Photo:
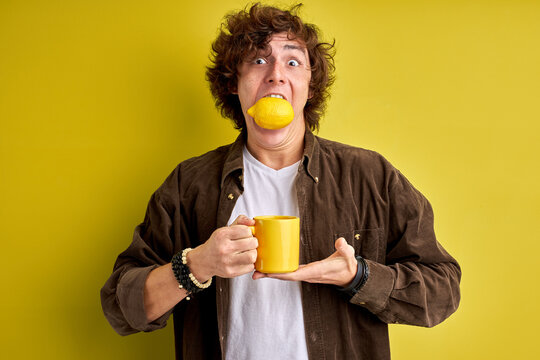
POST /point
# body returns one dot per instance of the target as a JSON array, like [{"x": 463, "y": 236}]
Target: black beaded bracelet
[
  {"x": 183, "y": 275},
  {"x": 362, "y": 274}
]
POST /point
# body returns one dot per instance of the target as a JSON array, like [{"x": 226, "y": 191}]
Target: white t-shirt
[{"x": 265, "y": 315}]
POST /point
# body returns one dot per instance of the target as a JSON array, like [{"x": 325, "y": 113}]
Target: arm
[
  {"x": 161, "y": 292},
  {"x": 419, "y": 282},
  {"x": 142, "y": 291},
  {"x": 230, "y": 251}
]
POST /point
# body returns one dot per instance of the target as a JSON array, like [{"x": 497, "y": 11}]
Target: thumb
[
  {"x": 343, "y": 248},
  {"x": 243, "y": 220}
]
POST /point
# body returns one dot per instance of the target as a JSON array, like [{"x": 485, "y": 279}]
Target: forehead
[
  {"x": 284, "y": 38},
  {"x": 281, "y": 41}
]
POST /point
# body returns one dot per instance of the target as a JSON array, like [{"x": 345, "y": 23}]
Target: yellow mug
[{"x": 279, "y": 243}]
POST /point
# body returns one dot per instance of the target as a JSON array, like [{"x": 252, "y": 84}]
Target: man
[{"x": 367, "y": 238}]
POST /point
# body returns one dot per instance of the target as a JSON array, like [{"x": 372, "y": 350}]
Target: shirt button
[
  {"x": 316, "y": 179},
  {"x": 230, "y": 196},
  {"x": 357, "y": 236}
]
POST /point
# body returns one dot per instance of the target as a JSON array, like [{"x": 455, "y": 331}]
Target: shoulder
[
  {"x": 359, "y": 166},
  {"x": 212, "y": 160},
  {"x": 203, "y": 169},
  {"x": 357, "y": 158}
]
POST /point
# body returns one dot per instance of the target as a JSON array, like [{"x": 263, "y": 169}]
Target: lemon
[{"x": 272, "y": 113}]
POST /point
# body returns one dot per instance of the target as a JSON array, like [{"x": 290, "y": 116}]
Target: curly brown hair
[{"x": 245, "y": 32}]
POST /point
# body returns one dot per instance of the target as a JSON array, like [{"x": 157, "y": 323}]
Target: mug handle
[{"x": 252, "y": 228}]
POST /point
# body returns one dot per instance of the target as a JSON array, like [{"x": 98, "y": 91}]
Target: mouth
[{"x": 277, "y": 96}]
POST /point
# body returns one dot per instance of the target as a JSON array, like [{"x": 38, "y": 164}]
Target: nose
[{"x": 276, "y": 74}]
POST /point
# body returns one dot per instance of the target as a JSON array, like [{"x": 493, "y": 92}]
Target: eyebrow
[
  {"x": 286, "y": 47},
  {"x": 293, "y": 47}
]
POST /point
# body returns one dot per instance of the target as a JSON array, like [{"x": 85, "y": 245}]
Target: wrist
[
  {"x": 359, "y": 279},
  {"x": 196, "y": 264},
  {"x": 184, "y": 276},
  {"x": 352, "y": 275}
]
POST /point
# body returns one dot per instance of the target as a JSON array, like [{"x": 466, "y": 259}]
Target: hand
[
  {"x": 337, "y": 269},
  {"x": 229, "y": 252}
]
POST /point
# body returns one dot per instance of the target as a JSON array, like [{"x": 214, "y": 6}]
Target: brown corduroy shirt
[{"x": 342, "y": 191}]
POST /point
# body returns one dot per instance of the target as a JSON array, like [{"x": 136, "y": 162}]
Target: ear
[{"x": 310, "y": 90}]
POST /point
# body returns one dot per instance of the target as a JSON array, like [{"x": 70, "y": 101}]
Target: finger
[
  {"x": 339, "y": 245},
  {"x": 243, "y": 220},
  {"x": 344, "y": 249},
  {"x": 238, "y": 219},
  {"x": 258, "y": 275},
  {"x": 236, "y": 232},
  {"x": 307, "y": 273},
  {"x": 245, "y": 258},
  {"x": 246, "y": 244},
  {"x": 289, "y": 276},
  {"x": 242, "y": 270}
]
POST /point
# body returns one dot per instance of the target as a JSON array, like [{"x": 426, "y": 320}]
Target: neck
[{"x": 286, "y": 153}]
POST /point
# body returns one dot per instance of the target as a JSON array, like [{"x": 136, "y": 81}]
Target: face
[{"x": 284, "y": 72}]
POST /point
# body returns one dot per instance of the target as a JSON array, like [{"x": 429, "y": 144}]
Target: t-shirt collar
[{"x": 234, "y": 158}]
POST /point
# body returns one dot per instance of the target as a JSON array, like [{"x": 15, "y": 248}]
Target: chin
[{"x": 272, "y": 138}]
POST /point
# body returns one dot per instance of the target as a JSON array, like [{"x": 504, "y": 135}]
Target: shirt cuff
[
  {"x": 375, "y": 293},
  {"x": 130, "y": 294}
]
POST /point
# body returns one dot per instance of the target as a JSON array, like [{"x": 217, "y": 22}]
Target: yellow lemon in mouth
[{"x": 271, "y": 113}]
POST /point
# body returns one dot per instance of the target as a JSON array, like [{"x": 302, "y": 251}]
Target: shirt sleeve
[
  {"x": 419, "y": 283},
  {"x": 122, "y": 296}
]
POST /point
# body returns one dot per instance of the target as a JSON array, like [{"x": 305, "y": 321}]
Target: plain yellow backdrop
[{"x": 99, "y": 100}]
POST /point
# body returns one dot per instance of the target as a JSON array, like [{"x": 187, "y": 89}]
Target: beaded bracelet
[{"x": 186, "y": 280}]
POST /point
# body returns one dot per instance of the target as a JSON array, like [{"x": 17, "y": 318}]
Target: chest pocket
[{"x": 366, "y": 243}]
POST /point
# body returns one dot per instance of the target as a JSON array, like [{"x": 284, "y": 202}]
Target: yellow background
[{"x": 99, "y": 100}]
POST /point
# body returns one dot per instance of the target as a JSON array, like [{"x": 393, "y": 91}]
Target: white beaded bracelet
[{"x": 191, "y": 276}]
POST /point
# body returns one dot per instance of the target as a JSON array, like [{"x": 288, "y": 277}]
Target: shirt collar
[
  {"x": 310, "y": 159},
  {"x": 311, "y": 155},
  {"x": 234, "y": 160}
]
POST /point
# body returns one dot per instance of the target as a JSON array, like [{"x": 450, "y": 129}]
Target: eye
[
  {"x": 293, "y": 63},
  {"x": 260, "y": 61}
]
